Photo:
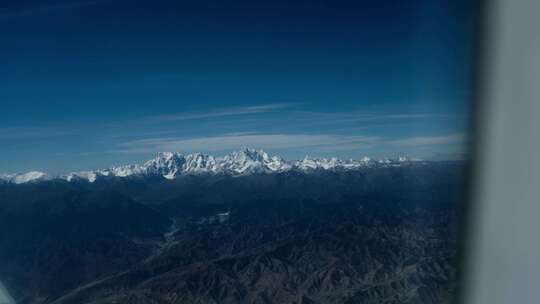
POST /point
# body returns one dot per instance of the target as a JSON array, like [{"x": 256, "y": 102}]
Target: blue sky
[{"x": 89, "y": 84}]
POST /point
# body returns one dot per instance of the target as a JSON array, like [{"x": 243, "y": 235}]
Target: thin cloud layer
[
  {"x": 430, "y": 141},
  {"x": 316, "y": 143},
  {"x": 231, "y": 142},
  {"x": 233, "y": 111}
]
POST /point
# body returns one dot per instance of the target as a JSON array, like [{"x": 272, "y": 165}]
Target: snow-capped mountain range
[{"x": 171, "y": 165}]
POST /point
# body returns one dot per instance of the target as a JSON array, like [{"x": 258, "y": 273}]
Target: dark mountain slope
[
  {"x": 66, "y": 237},
  {"x": 377, "y": 235}
]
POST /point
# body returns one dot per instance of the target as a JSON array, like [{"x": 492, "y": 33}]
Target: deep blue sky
[{"x": 88, "y": 84}]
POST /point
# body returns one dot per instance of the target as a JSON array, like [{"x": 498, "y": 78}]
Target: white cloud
[
  {"x": 231, "y": 142},
  {"x": 458, "y": 138},
  {"x": 315, "y": 142},
  {"x": 234, "y": 111}
]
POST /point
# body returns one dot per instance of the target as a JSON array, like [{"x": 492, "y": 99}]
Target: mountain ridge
[
  {"x": 171, "y": 165},
  {"x": 383, "y": 234}
]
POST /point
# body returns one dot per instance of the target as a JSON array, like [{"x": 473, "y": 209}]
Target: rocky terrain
[{"x": 371, "y": 234}]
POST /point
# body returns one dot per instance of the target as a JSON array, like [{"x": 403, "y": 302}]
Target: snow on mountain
[
  {"x": 200, "y": 163},
  {"x": 166, "y": 164},
  {"x": 5, "y": 177},
  {"x": 171, "y": 165},
  {"x": 5, "y": 297},
  {"x": 84, "y": 175},
  {"x": 123, "y": 171},
  {"x": 248, "y": 161},
  {"x": 308, "y": 163},
  {"x": 32, "y": 176}
]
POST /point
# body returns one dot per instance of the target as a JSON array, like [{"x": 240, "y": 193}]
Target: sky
[{"x": 90, "y": 84}]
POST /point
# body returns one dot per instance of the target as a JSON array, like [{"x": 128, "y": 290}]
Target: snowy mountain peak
[
  {"x": 167, "y": 156},
  {"x": 403, "y": 159},
  {"x": 167, "y": 164},
  {"x": 84, "y": 175},
  {"x": 309, "y": 163},
  {"x": 32, "y": 176},
  {"x": 250, "y": 154},
  {"x": 171, "y": 165},
  {"x": 200, "y": 163},
  {"x": 249, "y": 161}
]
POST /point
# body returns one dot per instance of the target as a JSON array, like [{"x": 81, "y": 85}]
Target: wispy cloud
[
  {"x": 231, "y": 142},
  {"x": 234, "y": 111},
  {"x": 365, "y": 118},
  {"x": 279, "y": 118},
  {"x": 458, "y": 138},
  {"x": 216, "y": 116}
]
